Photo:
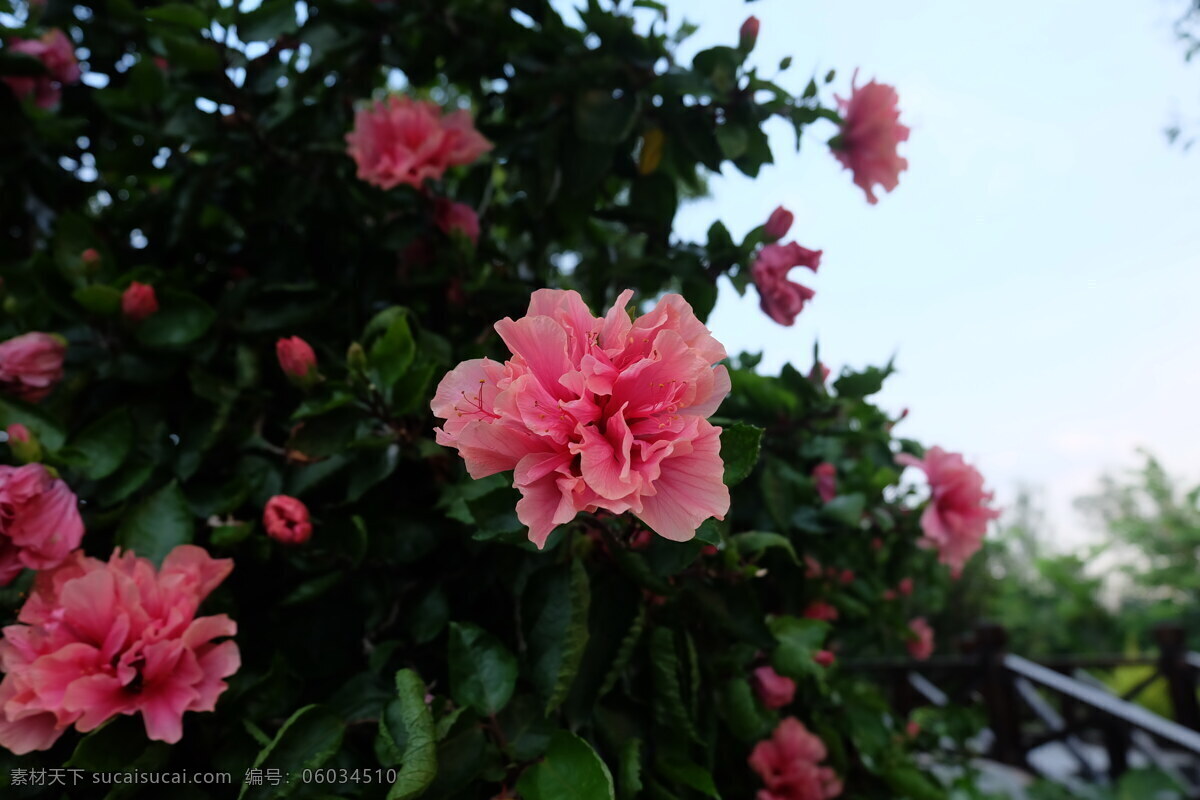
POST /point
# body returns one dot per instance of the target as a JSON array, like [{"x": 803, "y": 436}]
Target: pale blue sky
[{"x": 1037, "y": 270}]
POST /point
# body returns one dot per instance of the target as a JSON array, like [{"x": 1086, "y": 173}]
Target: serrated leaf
[
  {"x": 307, "y": 740},
  {"x": 571, "y": 769},
  {"x": 418, "y": 761},
  {"x": 740, "y": 444},
  {"x": 556, "y": 605},
  {"x": 483, "y": 672}
]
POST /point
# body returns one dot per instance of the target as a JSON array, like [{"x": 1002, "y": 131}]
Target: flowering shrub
[{"x": 360, "y": 334}]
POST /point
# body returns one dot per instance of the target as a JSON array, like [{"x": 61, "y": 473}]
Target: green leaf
[
  {"x": 102, "y": 447},
  {"x": 745, "y": 717},
  {"x": 571, "y": 769},
  {"x": 753, "y": 543},
  {"x": 907, "y": 781},
  {"x": 418, "y": 761},
  {"x": 604, "y": 119},
  {"x": 846, "y": 508},
  {"x": 740, "y": 445},
  {"x": 181, "y": 319},
  {"x": 48, "y": 431},
  {"x": 180, "y": 14},
  {"x": 157, "y": 524},
  {"x": 270, "y": 20},
  {"x": 483, "y": 672},
  {"x": 669, "y": 708},
  {"x": 555, "y": 606},
  {"x": 857, "y": 385},
  {"x": 687, "y": 773},
  {"x": 799, "y": 640},
  {"x": 629, "y": 761},
  {"x": 307, "y": 740},
  {"x": 625, "y": 651},
  {"x": 733, "y": 140},
  {"x": 392, "y": 353},
  {"x": 99, "y": 299}
]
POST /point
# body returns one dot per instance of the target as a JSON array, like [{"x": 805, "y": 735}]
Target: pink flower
[
  {"x": 847, "y": 577},
  {"x": 402, "y": 140},
  {"x": 824, "y": 657},
  {"x": 138, "y": 302},
  {"x": 57, "y": 54},
  {"x": 912, "y": 729},
  {"x": 825, "y": 476},
  {"x": 90, "y": 257},
  {"x": 286, "y": 520},
  {"x": 905, "y": 587},
  {"x": 778, "y": 223},
  {"x": 812, "y": 568},
  {"x": 453, "y": 217},
  {"x": 31, "y": 365},
  {"x": 296, "y": 357},
  {"x": 780, "y": 298},
  {"x": 889, "y": 595},
  {"x": 773, "y": 690},
  {"x": 96, "y": 639},
  {"x": 819, "y": 609},
  {"x": 920, "y": 647},
  {"x": 17, "y": 433},
  {"x": 596, "y": 413},
  {"x": 748, "y": 35},
  {"x": 24, "y": 445},
  {"x": 789, "y": 765},
  {"x": 956, "y": 519},
  {"x": 39, "y": 520},
  {"x": 871, "y": 133}
]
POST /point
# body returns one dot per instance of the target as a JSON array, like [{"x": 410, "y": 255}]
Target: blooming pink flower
[
  {"x": 905, "y": 587},
  {"x": 780, "y": 298},
  {"x": 57, "y": 54},
  {"x": 451, "y": 217},
  {"x": 96, "y": 639},
  {"x": 31, "y": 365},
  {"x": 778, "y": 224},
  {"x": 296, "y": 357},
  {"x": 138, "y": 302},
  {"x": 825, "y": 476},
  {"x": 871, "y": 133},
  {"x": 39, "y": 520},
  {"x": 596, "y": 413},
  {"x": 789, "y": 765},
  {"x": 956, "y": 519},
  {"x": 286, "y": 520},
  {"x": 773, "y": 690},
  {"x": 824, "y": 657},
  {"x": 819, "y": 609},
  {"x": 920, "y": 647},
  {"x": 748, "y": 33},
  {"x": 402, "y": 140}
]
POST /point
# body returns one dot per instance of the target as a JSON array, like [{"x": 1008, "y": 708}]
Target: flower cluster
[
  {"x": 31, "y": 365},
  {"x": 39, "y": 517},
  {"x": 596, "y": 413},
  {"x": 956, "y": 519},
  {"x": 789, "y": 765},
  {"x": 57, "y": 55},
  {"x": 97, "y": 639}
]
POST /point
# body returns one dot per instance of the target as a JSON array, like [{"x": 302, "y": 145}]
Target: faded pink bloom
[
  {"x": 57, "y": 54},
  {"x": 780, "y": 298},
  {"x": 905, "y": 587},
  {"x": 39, "y": 520},
  {"x": 748, "y": 33},
  {"x": 825, "y": 476},
  {"x": 773, "y": 690},
  {"x": 31, "y": 365},
  {"x": 778, "y": 224},
  {"x": 96, "y": 639},
  {"x": 920, "y": 647},
  {"x": 401, "y": 140},
  {"x": 296, "y": 357},
  {"x": 956, "y": 519},
  {"x": 824, "y": 657},
  {"x": 871, "y": 133},
  {"x": 819, "y": 609},
  {"x": 789, "y": 765},
  {"x": 138, "y": 302},
  {"x": 596, "y": 413},
  {"x": 453, "y": 217},
  {"x": 286, "y": 520}
]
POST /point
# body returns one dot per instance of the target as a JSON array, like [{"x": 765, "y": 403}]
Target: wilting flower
[
  {"x": 871, "y": 133},
  {"x": 920, "y": 646},
  {"x": 453, "y": 217},
  {"x": 31, "y": 365},
  {"x": 780, "y": 298},
  {"x": 773, "y": 690},
  {"x": 789, "y": 765},
  {"x": 286, "y": 520},
  {"x": 138, "y": 302},
  {"x": 96, "y": 639},
  {"x": 401, "y": 140},
  {"x": 825, "y": 476},
  {"x": 296, "y": 358},
  {"x": 778, "y": 224},
  {"x": 956, "y": 519},
  {"x": 57, "y": 55},
  {"x": 596, "y": 413},
  {"x": 39, "y": 520}
]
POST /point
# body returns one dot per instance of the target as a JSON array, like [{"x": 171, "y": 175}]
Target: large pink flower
[
  {"x": 596, "y": 413},
  {"x": 871, "y": 134},
  {"x": 789, "y": 765},
  {"x": 780, "y": 298},
  {"x": 39, "y": 520},
  {"x": 402, "y": 140},
  {"x": 96, "y": 639},
  {"x": 57, "y": 54},
  {"x": 956, "y": 519},
  {"x": 31, "y": 365}
]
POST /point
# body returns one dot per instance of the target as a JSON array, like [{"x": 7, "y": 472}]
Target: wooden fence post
[
  {"x": 999, "y": 695},
  {"x": 1180, "y": 676}
]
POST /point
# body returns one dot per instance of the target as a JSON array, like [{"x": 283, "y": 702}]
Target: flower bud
[
  {"x": 24, "y": 445},
  {"x": 138, "y": 302},
  {"x": 748, "y": 34},
  {"x": 297, "y": 360},
  {"x": 778, "y": 224},
  {"x": 286, "y": 520}
]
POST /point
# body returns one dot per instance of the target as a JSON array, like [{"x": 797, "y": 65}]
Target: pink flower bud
[
  {"x": 18, "y": 433},
  {"x": 454, "y": 218},
  {"x": 296, "y": 358},
  {"x": 821, "y": 610},
  {"x": 825, "y": 477},
  {"x": 778, "y": 223},
  {"x": 912, "y": 729},
  {"x": 90, "y": 257},
  {"x": 847, "y": 576},
  {"x": 824, "y": 658},
  {"x": 905, "y": 587},
  {"x": 773, "y": 690},
  {"x": 920, "y": 643},
  {"x": 748, "y": 34},
  {"x": 286, "y": 520},
  {"x": 889, "y": 595},
  {"x": 138, "y": 302},
  {"x": 812, "y": 568}
]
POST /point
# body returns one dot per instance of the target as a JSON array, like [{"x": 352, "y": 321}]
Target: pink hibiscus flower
[
  {"x": 956, "y": 519},
  {"x": 781, "y": 299},
  {"x": 789, "y": 764},
  {"x": 871, "y": 134},
  {"x": 39, "y": 520}
]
